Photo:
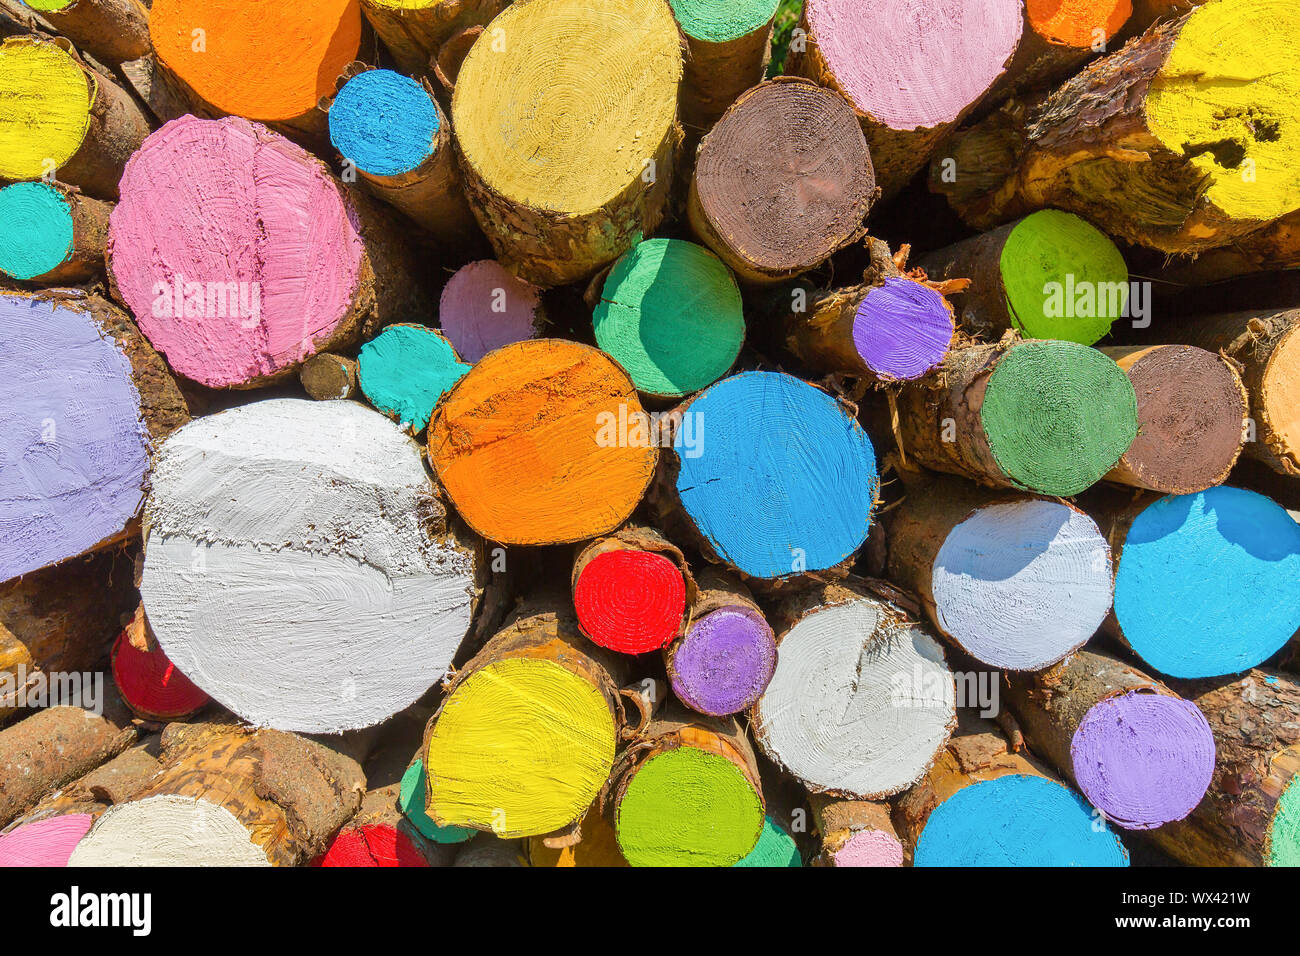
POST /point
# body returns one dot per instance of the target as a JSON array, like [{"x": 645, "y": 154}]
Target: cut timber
[
  {"x": 1016, "y": 582},
  {"x": 1251, "y": 814},
  {"x": 861, "y": 700},
  {"x": 414, "y": 30},
  {"x": 783, "y": 181},
  {"x": 59, "y": 117},
  {"x": 229, "y": 796},
  {"x": 259, "y": 59},
  {"x": 1147, "y": 12},
  {"x": 484, "y": 307},
  {"x": 1276, "y": 247},
  {"x": 1049, "y": 276},
  {"x": 543, "y": 442},
  {"x": 597, "y": 848},
  {"x": 982, "y": 805},
  {"x": 630, "y": 590},
  {"x": 728, "y": 43},
  {"x": 525, "y": 738},
  {"x": 112, "y": 31},
  {"x": 392, "y": 130},
  {"x": 379, "y": 836},
  {"x": 332, "y": 591},
  {"x": 405, "y": 371},
  {"x": 856, "y": 833},
  {"x": 241, "y": 256},
  {"x": 51, "y": 234},
  {"x": 1059, "y": 37},
  {"x": 326, "y": 376},
  {"x": 55, "y": 746},
  {"x": 911, "y": 72},
  {"x": 670, "y": 313},
  {"x": 411, "y": 800},
  {"x": 1051, "y": 417},
  {"x": 725, "y": 657},
  {"x": 1142, "y": 755},
  {"x": 1190, "y": 573},
  {"x": 890, "y": 327},
  {"x": 775, "y": 498},
  {"x": 1179, "y": 141},
  {"x": 1266, "y": 348},
  {"x": 51, "y": 831},
  {"x": 150, "y": 684},
  {"x": 60, "y": 621},
  {"x": 776, "y": 848},
  {"x": 565, "y": 115},
  {"x": 687, "y": 793},
  {"x": 451, "y": 57},
  {"x": 85, "y": 398},
  {"x": 1191, "y": 406}
]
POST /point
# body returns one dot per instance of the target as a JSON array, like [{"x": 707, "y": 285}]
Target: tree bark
[
  {"x": 1091, "y": 149},
  {"x": 890, "y": 327},
  {"x": 414, "y": 33},
  {"x": 1068, "y": 714},
  {"x": 259, "y": 797},
  {"x": 53, "y": 747},
  {"x": 855, "y": 833},
  {"x": 554, "y": 216},
  {"x": 112, "y": 31},
  {"x": 61, "y": 620},
  {"x": 716, "y": 73},
  {"x": 1256, "y": 725}
]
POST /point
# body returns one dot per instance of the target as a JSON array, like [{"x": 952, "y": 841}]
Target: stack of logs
[{"x": 462, "y": 432}]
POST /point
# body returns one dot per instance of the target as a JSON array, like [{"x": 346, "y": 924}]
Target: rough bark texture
[
  {"x": 955, "y": 391},
  {"x": 430, "y": 195},
  {"x": 1087, "y": 149},
  {"x": 115, "y": 781},
  {"x": 714, "y": 74},
  {"x": 1256, "y": 725},
  {"x": 983, "y": 306},
  {"x": 112, "y": 31},
  {"x": 452, "y": 53},
  {"x": 1191, "y": 405},
  {"x": 379, "y": 810},
  {"x": 53, "y": 747},
  {"x": 62, "y": 619},
  {"x": 1261, "y": 345},
  {"x": 292, "y": 794},
  {"x": 839, "y": 821},
  {"x": 980, "y": 754},
  {"x": 328, "y": 376},
  {"x": 550, "y": 248},
  {"x": 1050, "y": 704},
  {"x": 1275, "y": 247},
  {"x": 85, "y": 260},
  {"x": 414, "y": 36},
  {"x": 116, "y": 128}
]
